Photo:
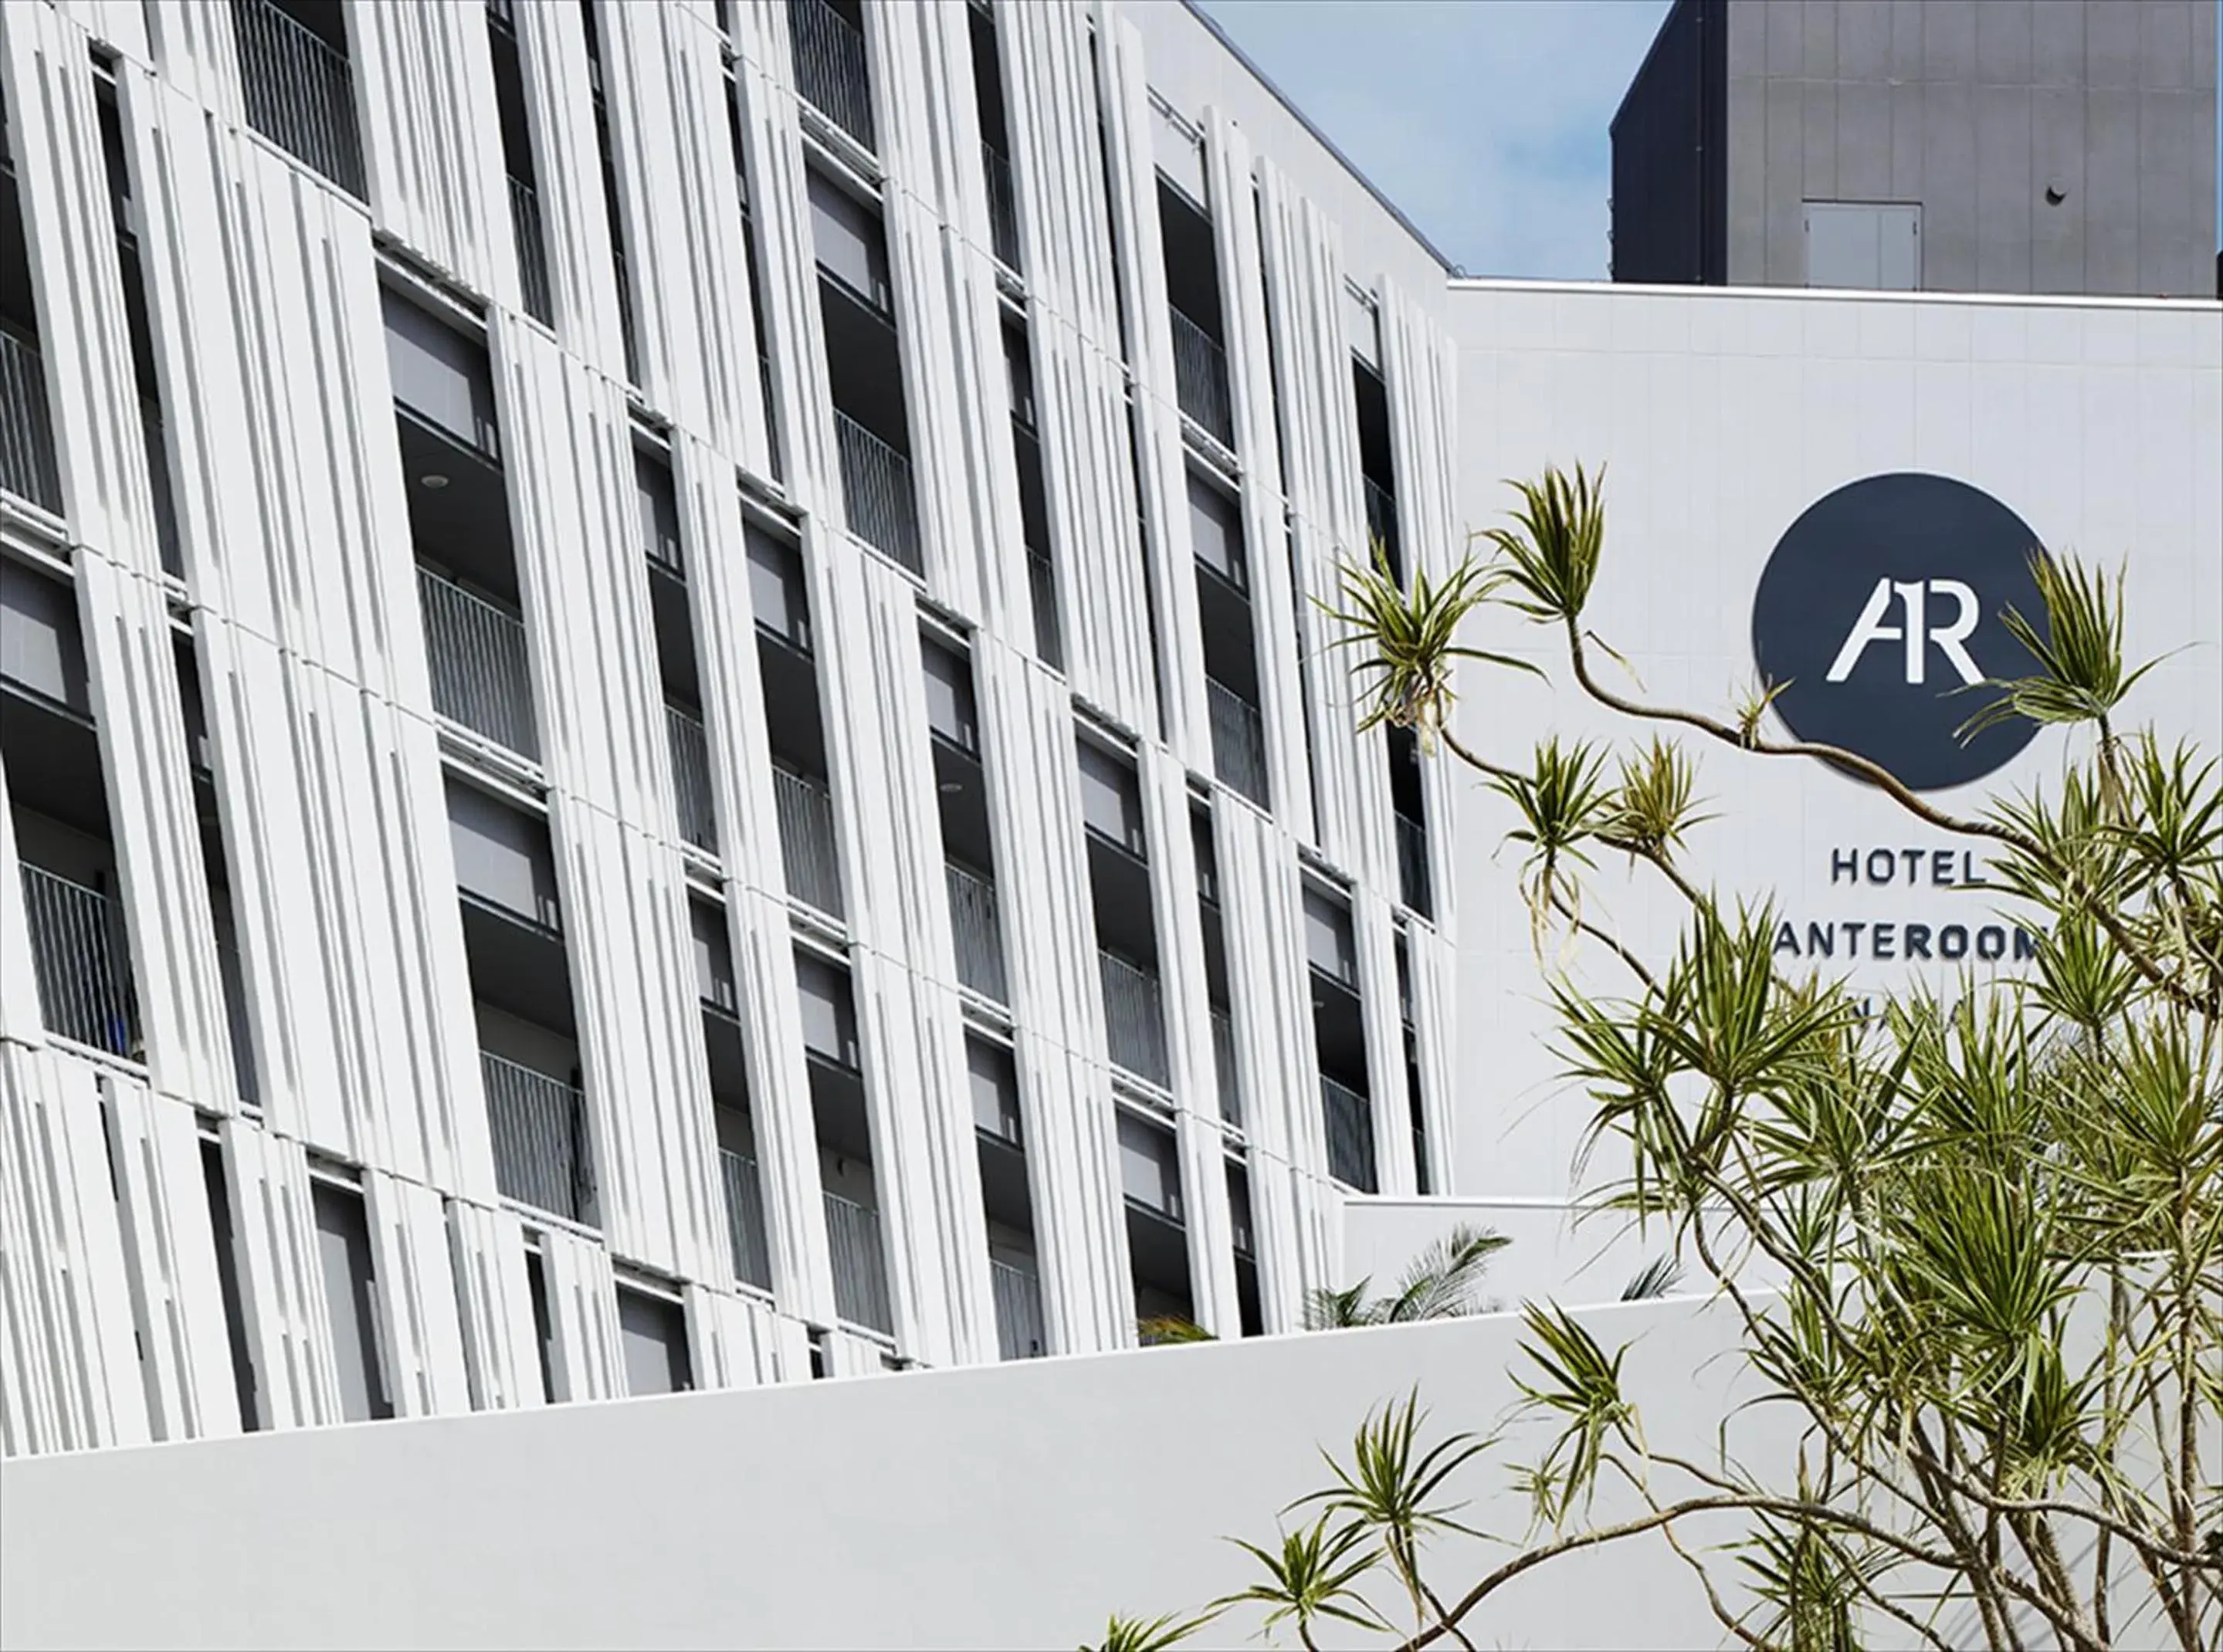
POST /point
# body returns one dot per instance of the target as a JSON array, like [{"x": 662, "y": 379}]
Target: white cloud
[{"x": 1485, "y": 121}]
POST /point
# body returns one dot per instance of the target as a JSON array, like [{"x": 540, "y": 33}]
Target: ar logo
[
  {"x": 1950, "y": 639},
  {"x": 1880, "y": 608}
]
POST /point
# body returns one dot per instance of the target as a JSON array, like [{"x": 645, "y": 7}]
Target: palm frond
[{"x": 1549, "y": 557}]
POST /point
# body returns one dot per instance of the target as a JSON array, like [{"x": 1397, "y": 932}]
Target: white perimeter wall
[
  {"x": 1722, "y": 414},
  {"x": 1007, "y": 1507}
]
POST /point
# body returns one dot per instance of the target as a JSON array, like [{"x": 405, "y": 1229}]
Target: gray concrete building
[{"x": 1973, "y": 145}]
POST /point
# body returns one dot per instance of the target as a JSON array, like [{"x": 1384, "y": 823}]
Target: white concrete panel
[
  {"x": 727, "y": 1500},
  {"x": 169, "y": 1253},
  {"x": 432, "y": 138},
  {"x": 71, "y": 1371}
]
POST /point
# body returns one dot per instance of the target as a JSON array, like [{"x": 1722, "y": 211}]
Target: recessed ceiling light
[
  {"x": 432, "y": 479},
  {"x": 953, "y": 785}
]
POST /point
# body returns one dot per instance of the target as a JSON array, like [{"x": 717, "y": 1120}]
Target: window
[
  {"x": 829, "y": 1017},
  {"x": 1110, "y": 800},
  {"x": 1150, "y": 1165},
  {"x": 659, "y": 509},
  {"x": 851, "y": 245},
  {"x": 41, "y": 647},
  {"x": 714, "y": 957},
  {"x": 1329, "y": 946},
  {"x": 949, "y": 709},
  {"x": 776, "y": 588},
  {"x": 1872, "y": 245},
  {"x": 1215, "y": 529},
  {"x": 995, "y": 1088},
  {"x": 544, "y": 1324},
  {"x": 654, "y": 1332},
  {"x": 440, "y": 375},
  {"x": 502, "y": 856},
  {"x": 350, "y": 1285}
]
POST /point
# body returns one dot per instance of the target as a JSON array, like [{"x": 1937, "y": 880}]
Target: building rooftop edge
[
  {"x": 1686, "y": 289},
  {"x": 1326, "y": 142}
]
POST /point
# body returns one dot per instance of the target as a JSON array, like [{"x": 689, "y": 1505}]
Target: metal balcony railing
[
  {"x": 1223, "y": 1068},
  {"x": 1239, "y": 741},
  {"x": 1018, "y": 1312},
  {"x": 1412, "y": 864},
  {"x": 861, "y": 1271},
  {"x": 1349, "y": 1134},
  {"x": 744, "y": 1219},
  {"x": 299, "y": 92},
  {"x": 27, "y": 428},
  {"x": 476, "y": 654},
  {"x": 876, "y": 485},
  {"x": 532, "y": 252},
  {"x": 1134, "y": 1019},
  {"x": 1200, "y": 379},
  {"x": 1003, "y": 205},
  {"x": 83, "y": 972},
  {"x": 829, "y": 66},
  {"x": 1380, "y": 522},
  {"x": 1050, "y": 639},
  {"x": 805, "y": 808},
  {"x": 690, "y": 778},
  {"x": 973, "y": 928},
  {"x": 539, "y": 1129}
]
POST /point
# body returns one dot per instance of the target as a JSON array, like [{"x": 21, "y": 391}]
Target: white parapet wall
[{"x": 1003, "y": 1506}]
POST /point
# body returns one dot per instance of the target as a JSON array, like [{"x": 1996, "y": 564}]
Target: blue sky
[{"x": 1483, "y": 120}]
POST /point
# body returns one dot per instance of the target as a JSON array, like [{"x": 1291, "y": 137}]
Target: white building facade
[{"x": 665, "y": 721}]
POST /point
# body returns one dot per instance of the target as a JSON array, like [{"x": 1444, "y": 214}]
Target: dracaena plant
[{"x": 1989, "y": 1216}]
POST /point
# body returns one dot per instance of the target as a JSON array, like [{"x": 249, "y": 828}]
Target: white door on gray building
[{"x": 1871, "y": 244}]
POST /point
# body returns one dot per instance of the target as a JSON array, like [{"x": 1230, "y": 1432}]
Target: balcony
[
  {"x": 973, "y": 927},
  {"x": 1200, "y": 379},
  {"x": 77, "y": 954},
  {"x": 299, "y": 92},
  {"x": 1412, "y": 864},
  {"x": 477, "y": 655},
  {"x": 27, "y": 428},
  {"x": 539, "y": 1129},
  {"x": 1002, "y": 205},
  {"x": 805, "y": 807},
  {"x": 744, "y": 1218},
  {"x": 1224, "y": 1069},
  {"x": 1382, "y": 523},
  {"x": 829, "y": 66},
  {"x": 1239, "y": 741},
  {"x": 876, "y": 485},
  {"x": 861, "y": 1275},
  {"x": 1018, "y": 1312},
  {"x": 1349, "y": 1134},
  {"x": 532, "y": 252},
  {"x": 1134, "y": 1020},
  {"x": 690, "y": 779}
]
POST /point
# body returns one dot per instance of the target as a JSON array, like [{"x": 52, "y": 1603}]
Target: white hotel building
[{"x": 664, "y": 727}]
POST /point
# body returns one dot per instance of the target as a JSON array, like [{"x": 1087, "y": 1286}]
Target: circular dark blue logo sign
[{"x": 1879, "y": 611}]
